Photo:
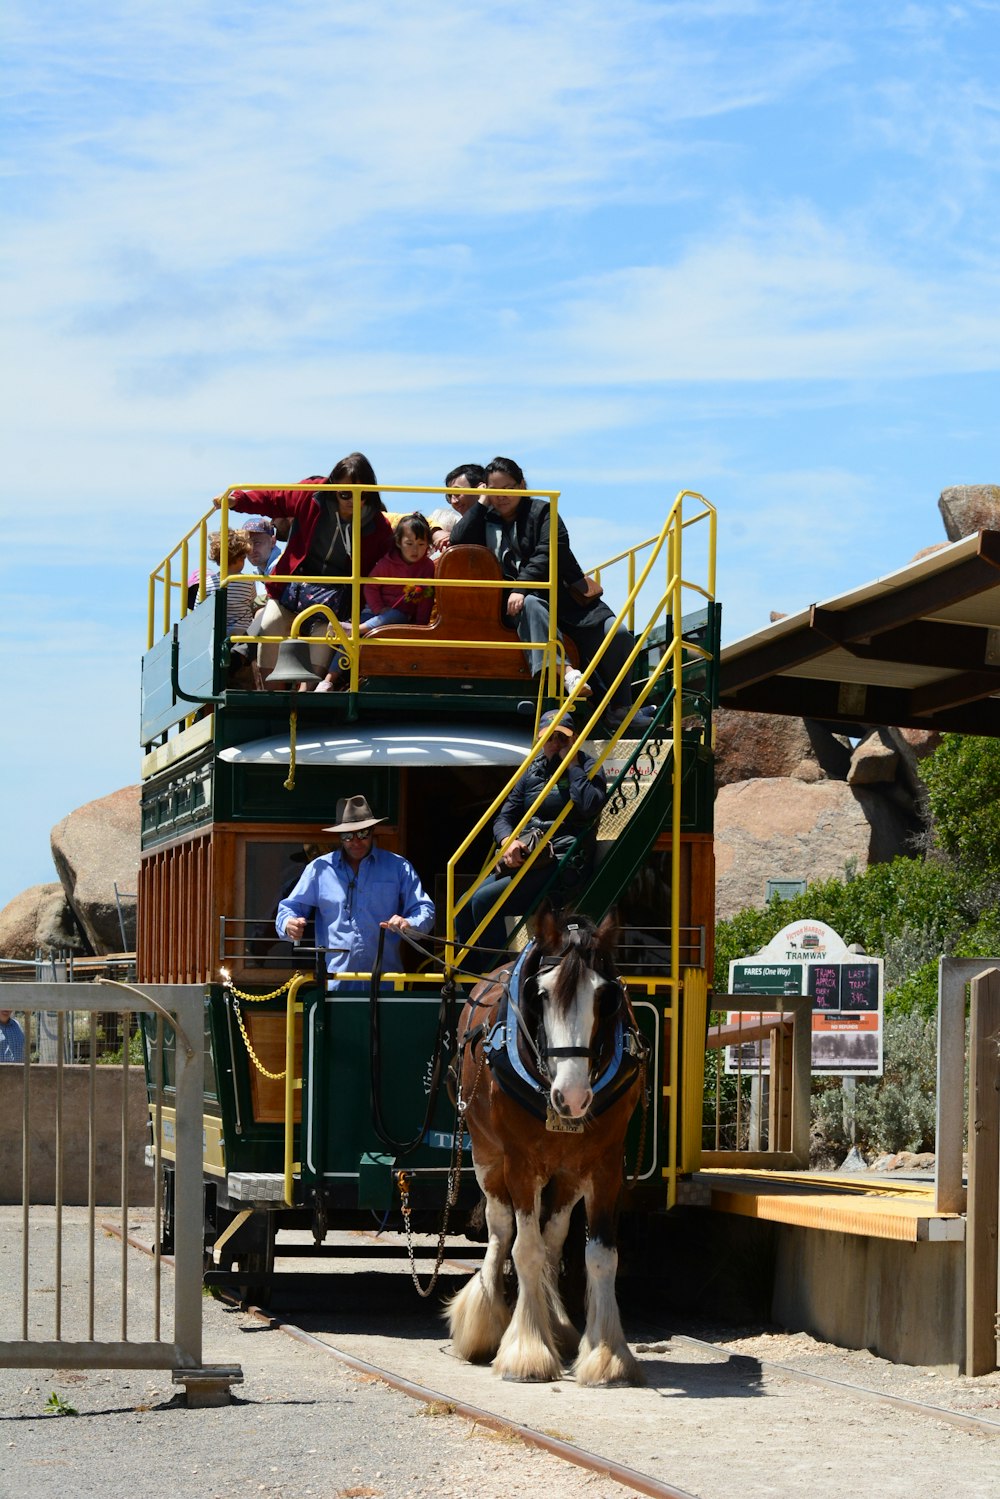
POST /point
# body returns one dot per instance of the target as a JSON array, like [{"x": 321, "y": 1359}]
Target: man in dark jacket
[
  {"x": 516, "y": 530},
  {"x": 587, "y": 797}
]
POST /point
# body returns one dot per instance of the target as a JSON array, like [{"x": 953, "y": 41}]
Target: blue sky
[{"x": 747, "y": 248}]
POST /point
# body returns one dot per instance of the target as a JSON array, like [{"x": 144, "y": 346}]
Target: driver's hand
[
  {"x": 396, "y": 924},
  {"x": 295, "y": 928}
]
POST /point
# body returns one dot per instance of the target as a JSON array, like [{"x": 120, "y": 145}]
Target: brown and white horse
[{"x": 547, "y": 1089}]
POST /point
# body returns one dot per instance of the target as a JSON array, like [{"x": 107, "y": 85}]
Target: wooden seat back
[{"x": 460, "y": 614}]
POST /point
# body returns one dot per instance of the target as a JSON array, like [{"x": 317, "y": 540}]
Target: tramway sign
[{"x": 809, "y": 957}]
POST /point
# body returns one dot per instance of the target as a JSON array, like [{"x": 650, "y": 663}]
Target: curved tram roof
[{"x": 392, "y": 744}]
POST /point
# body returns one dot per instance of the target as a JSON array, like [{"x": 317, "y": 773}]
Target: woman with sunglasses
[{"x": 353, "y": 892}]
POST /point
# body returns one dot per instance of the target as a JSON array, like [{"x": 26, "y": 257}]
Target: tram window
[{"x": 271, "y": 870}]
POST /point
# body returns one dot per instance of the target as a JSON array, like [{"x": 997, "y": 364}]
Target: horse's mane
[{"x": 578, "y": 945}]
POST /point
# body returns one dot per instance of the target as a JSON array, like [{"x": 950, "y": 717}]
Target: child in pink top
[{"x": 404, "y": 598}]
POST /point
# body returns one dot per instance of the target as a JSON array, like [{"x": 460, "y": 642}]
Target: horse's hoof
[{"x": 605, "y": 1367}]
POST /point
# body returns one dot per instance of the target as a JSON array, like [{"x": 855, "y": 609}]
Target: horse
[{"x": 550, "y": 1068}]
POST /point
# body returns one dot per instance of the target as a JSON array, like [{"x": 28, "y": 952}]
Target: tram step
[{"x": 256, "y": 1186}]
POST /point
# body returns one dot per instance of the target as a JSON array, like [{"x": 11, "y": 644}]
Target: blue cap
[
  {"x": 563, "y": 721},
  {"x": 258, "y": 523}
]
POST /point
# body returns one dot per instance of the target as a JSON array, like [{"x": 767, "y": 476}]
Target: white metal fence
[{"x": 72, "y": 1338}]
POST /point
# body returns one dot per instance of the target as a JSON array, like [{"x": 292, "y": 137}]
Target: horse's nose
[
  {"x": 558, "y": 1101},
  {"x": 572, "y": 1107}
]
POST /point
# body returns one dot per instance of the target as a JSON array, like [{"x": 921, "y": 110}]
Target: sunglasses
[{"x": 360, "y": 837}]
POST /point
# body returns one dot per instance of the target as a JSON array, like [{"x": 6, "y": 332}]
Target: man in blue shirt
[
  {"x": 353, "y": 892},
  {"x": 11, "y": 1038}
]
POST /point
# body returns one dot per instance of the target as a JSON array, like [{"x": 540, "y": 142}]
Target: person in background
[
  {"x": 353, "y": 892},
  {"x": 11, "y": 1038},
  {"x": 587, "y": 797},
  {"x": 321, "y": 543}
]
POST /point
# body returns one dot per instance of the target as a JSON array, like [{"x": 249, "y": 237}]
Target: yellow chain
[{"x": 257, "y": 998}]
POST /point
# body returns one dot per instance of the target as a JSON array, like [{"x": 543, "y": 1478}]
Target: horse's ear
[
  {"x": 606, "y": 936},
  {"x": 546, "y": 926}
]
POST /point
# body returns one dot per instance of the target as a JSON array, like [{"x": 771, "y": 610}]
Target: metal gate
[{"x": 180, "y": 1007}]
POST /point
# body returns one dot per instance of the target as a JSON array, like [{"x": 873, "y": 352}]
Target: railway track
[{"x": 641, "y": 1439}]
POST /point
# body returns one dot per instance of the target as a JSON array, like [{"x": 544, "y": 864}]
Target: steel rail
[
  {"x": 579, "y": 1457},
  {"x": 980, "y": 1424}
]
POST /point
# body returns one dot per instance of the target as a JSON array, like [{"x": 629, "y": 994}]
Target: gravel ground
[{"x": 302, "y": 1424}]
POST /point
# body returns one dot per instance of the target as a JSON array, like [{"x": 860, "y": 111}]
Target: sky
[{"x": 744, "y": 247}]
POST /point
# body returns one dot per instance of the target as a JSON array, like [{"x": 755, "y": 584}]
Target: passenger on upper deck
[
  {"x": 353, "y": 892},
  {"x": 405, "y": 598},
  {"x": 587, "y": 797},
  {"x": 265, "y": 548},
  {"x": 320, "y": 543},
  {"x": 516, "y": 529},
  {"x": 466, "y": 476}
]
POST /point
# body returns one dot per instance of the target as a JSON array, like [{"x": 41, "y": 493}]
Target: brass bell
[{"x": 293, "y": 664}]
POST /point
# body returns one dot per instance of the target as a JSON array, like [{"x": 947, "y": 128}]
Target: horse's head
[{"x": 577, "y": 986}]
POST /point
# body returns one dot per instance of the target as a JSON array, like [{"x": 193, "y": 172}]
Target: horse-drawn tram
[{"x": 331, "y": 1090}]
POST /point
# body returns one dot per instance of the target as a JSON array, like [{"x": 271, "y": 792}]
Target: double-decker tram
[{"x": 328, "y": 1106}]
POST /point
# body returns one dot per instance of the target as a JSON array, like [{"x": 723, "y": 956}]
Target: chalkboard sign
[
  {"x": 824, "y": 985},
  {"x": 859, "y": 987}
]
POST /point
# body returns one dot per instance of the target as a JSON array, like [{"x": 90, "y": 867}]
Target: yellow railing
[{"x": 669, "y": 541}]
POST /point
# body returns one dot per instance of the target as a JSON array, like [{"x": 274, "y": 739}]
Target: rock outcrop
[
  {"x": 95, "y": 848},
  {"x": 970, "y": 507},
  {"x": 38, "y": 918},
  {"x": 753, "y": 746}
]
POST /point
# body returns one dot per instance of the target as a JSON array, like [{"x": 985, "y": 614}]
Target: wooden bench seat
[{"x": 460, "y": 614}]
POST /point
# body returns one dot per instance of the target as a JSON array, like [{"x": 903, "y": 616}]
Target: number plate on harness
[{"x": 560, "y": 1126}]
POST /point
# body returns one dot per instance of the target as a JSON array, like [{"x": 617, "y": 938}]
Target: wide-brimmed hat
[{"x": 353, "y": 816}]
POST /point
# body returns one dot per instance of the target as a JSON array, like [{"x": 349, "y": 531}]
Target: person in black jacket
[
  {"x": 516, "y": 529},
  {"x": 587, "y": 797}
]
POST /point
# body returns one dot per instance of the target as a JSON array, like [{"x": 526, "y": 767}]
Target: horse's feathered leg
[
  {"x": 527, "y": 1350},
  {"x": 566, "y": 1337},
  {"x": 479, "y": 1314},
  {"x": 605, "y": 1357}
]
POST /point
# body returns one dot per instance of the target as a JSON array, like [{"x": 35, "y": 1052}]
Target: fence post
[{"x": 984, "y": 1175}]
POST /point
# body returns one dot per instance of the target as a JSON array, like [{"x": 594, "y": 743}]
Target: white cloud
[{"x": 792, "y": 298}]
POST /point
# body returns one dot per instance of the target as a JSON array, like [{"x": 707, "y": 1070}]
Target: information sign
[{"x": 809, "y": 957}]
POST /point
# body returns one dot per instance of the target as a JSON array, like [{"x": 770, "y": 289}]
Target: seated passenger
[
  {"x": 405, "y": 599},
  {"x": 241, "y": 599},
  {"x": 265, "y": 548},
  {"x": 588, "y": 798},
  {"x": 516, "y": 529},
  {"x": 466, "y": 476},
  {"x": 320, "y": 544}
]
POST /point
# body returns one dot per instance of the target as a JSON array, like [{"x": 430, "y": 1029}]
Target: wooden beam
[
  {"x": 902, "y": 605},
  {"x": 801, "y": 698},
  {"x": 951, "y": 692},
  {"x": 984, "y": 1176}
]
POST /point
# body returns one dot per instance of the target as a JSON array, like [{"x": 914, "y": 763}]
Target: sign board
[{"x": 809, "y": 957}]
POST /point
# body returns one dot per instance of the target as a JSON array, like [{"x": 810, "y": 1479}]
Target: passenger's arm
[
  {"x": 470, "y": 528},
  {"x": 588, "y": 796}
]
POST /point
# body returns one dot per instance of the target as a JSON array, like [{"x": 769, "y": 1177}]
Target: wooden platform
[{"x": 882, "y": 1209}]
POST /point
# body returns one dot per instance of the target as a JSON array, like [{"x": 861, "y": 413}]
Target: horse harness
[{"x": 520, "y": 1060}]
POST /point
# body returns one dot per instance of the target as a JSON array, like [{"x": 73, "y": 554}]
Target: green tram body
[{"x": 431, "y": 745}]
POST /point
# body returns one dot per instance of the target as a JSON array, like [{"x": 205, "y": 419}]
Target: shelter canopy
[{"x": 918, "y": 648}]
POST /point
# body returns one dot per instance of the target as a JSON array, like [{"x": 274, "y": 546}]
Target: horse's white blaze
[{"x": 571, "y": 1092}]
